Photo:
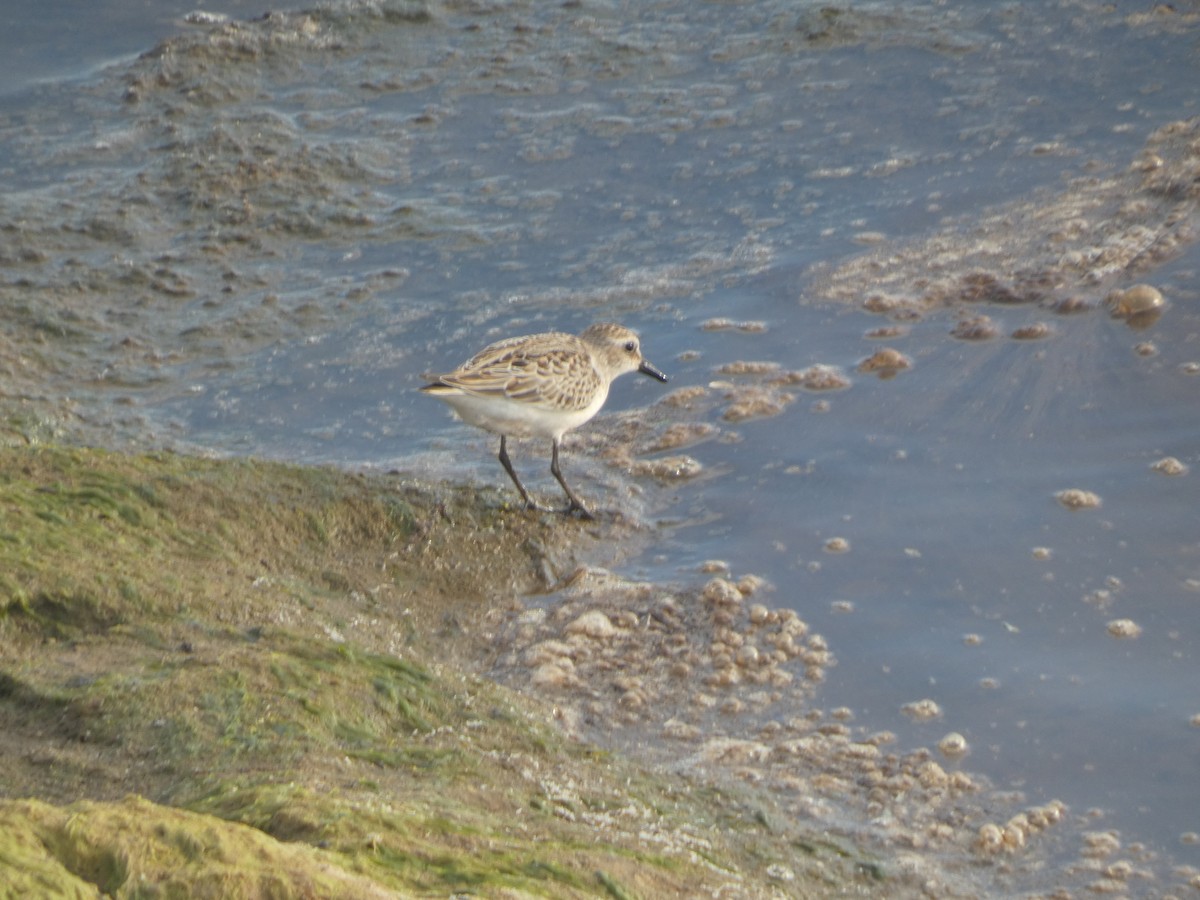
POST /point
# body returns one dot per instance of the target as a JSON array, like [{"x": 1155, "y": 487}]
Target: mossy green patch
[
  {"x": 279, "y": 660},
  {"x": 134, "y": 848},
  {"x": 415, "y": 845}
]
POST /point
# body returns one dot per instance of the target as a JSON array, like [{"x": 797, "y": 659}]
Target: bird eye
[{"x": 630, "y": 346}]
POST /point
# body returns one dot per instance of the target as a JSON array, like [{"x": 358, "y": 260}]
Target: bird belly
[{"x": 501, "y": 415}]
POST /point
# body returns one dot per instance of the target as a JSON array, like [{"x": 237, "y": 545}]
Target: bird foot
[{"x": 580, "y": 510}]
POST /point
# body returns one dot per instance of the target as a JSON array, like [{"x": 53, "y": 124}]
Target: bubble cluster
[
  {"x": 837, "y": 545},
  {"x": 621, "y": 650},
  {"x": 1169, "y": 465},
  {"x": 922, "y": 710},
  {"x": 1015, "y": 833},
  {"x": 954, "y": 746},
  {"x": 1076, "y": 499},
  {"x": 1124, "y": 628}
]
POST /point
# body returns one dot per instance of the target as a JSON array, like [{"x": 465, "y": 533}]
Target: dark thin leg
[
  {"x": 512, "y": 473},
  {"x": 576, "y": 503}
]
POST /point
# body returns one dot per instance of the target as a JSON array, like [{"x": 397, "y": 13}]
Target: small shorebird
[{"x": 541, "y": 385}]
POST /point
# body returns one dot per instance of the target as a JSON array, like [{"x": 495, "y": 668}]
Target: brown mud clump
[
  {"x": 886, "y": 363},
  {"x": 1034, "y": 332}
]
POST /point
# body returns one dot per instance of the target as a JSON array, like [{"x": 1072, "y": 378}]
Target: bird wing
[{"x": 554, "y": 370}]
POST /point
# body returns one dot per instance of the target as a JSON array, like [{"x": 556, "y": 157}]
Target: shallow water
[
  {"x": 256, "y": 240},
  {"x": 943, "y": 495}
]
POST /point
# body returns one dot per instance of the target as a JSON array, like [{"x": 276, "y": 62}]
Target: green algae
[
  {"x": 245, "y": 679},
  {"x": 137, "y": 849}
]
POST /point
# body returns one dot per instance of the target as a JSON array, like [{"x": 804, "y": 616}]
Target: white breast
[{"x": 517, "y": 418}]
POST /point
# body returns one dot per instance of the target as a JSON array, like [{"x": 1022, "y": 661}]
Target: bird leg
[
  {"x": 512, "y": 473},
  {"x": 576, "y": 503}
]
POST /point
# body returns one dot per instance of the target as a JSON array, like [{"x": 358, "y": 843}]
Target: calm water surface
[{"x": 434, "y": 182}]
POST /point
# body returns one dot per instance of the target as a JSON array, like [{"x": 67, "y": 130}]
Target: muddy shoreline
[
  {"x": 192, "y": 646},
  {"x": 409, "y": 689}
]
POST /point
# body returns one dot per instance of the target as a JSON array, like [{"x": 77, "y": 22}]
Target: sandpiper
[{"x": 541, "y": 385}]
